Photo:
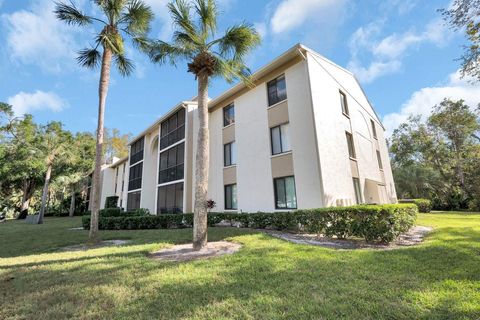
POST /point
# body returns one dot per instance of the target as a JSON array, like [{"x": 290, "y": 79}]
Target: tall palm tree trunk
[
  {"x": 71, "y": 211},
  {"x": 48, "y": 175},
  {"x": 102, "y": 97},
  {"x": 201, "y": 170},
  {"x": 28, "y": 190}
]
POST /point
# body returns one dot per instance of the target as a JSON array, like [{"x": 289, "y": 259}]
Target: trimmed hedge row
[
  {"x": 374, "y": 223},
  {"x": 424, "y": 205}
]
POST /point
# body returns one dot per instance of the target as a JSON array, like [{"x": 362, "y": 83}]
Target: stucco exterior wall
[
  {"x": 150, "y": 171},
  {"x": 326, "y": 81},
  {"x": 319, "y": 159}
]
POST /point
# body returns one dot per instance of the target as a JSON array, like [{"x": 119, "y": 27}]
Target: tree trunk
[
  {"x": 28, "y": 190},
  {"x": 71, "y": 211},
  {"x": 201, "y": 169},
  {"x": 93, "y": 236},
  {"x": 45, "y": 193}
]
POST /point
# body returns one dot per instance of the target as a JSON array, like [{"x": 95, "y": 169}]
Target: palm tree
[
  {"x": 121, "y": 19},
  {"x": 194, "y": 41}
]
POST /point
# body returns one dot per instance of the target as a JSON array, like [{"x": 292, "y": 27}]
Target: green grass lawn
[{"x": 267, "y": 279}]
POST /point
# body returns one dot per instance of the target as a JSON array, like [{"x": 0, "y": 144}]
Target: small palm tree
[
  {"x": 122, "y": 18},
  {"x": 194, "y": 41}
]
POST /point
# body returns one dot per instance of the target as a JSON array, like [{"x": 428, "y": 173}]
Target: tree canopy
[{"x": 439, "y": 158}]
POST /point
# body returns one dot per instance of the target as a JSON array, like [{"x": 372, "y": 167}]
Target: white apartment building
[{"x": 305, "y": 136}]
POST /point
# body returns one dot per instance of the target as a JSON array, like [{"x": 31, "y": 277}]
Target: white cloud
[
  {"x": 422, "y": 101},
  {"x": 293, "y": 13},
  {"x": 24, "y": 102},
  {"x": 387, "y": 53},
  {"x": 375, "y": 70},
  {"x": 261, "y": 29},
  {"x": 35, "y": 36}
]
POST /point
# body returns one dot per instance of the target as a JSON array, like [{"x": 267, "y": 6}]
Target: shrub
[
  {"x": 374, "y": 223},
  {"x": 424, "y": 205},
  {"x": 111, "y": 202}
]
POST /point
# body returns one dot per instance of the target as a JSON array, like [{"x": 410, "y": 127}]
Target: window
[
  {"x": 277, "y": 90},
  {"x": 343, "y": 101},
  {"x": 133, "y": 200},
  {"x": 172, "y": 130},
  {"x": 171, "y": 164},
  {"x": 228, "y": 115},
  {"x": 135, "y": 177},
  {"x": 285, "y": 196},
  {"x": 170, "y": 198},
  {"x": 379, "y": 159},
  {"x": 116, "y": 180},
  {"x": 136, "y": 151},
  {"x": 351, "y": 146},
  {"x": 231, "y": 197},
  {"x": 123, "y": 177},
  {"x": 229, "y": 154},
  {"x": 374, "y": 130},
  {"x": 358, "y": 191},
  {"x": 280, "y": 139}
]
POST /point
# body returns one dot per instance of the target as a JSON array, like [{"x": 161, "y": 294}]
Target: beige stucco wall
[{"x": 331, "y": 125}]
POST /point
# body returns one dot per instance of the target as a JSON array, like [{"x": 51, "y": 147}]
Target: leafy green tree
[
  {"x": 56, "y": 147},
  {"x": 464, "y": 15},
  {"x": 439, "y": 158},
  {"x": 194, "y": 41},
  {"x": 120, "y": 19},
  {"x": 21, "y": 164},
  {"x": 116, "y": 144}
]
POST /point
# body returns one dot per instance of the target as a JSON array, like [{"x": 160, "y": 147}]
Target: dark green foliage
[
  {"x": 374, "y": 223},
  {"x": 111, "y": 202},
  {"x": 424, "y": 205}
]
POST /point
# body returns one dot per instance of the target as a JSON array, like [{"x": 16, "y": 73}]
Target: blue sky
[{"x": 400, "y": 50}]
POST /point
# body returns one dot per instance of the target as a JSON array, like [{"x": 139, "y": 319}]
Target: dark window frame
[
  {"x": 169, "y": 136},
  {"x": 277, "y": 99},
  {"x": 137, "y": 151},
  {"x": 130, "y": 196},
  {"x": 374, "y": 129},
  {"x": 379, "y": 160},
  {"x": 231, "y": 193},
  {"x": 172, "y": 172},
  {"x": 281, "y": 140},
  {"x": 225, "y": 111},
  {"x": 351, "y": 153},
  {"x": 344, "y": 104},
  {"x": 175, "y": 209},
  {"x": 229, "y": 147},
  {"x": 135, "y": 183},
  {"x": 285, "y": 188},
  {"x": 358, "y": 193}
]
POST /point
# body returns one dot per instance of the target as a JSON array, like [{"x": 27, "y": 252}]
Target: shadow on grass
[{"x": 267, "y": 279}]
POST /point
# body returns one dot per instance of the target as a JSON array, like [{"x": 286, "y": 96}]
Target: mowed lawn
[{"x": 267, "y": 279}]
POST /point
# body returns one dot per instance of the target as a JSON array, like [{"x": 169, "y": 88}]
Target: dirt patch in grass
[
  {"x": 102, "y": 244},
  {"x": 185, "y": 252},
  {"x": 413, "y": 237}
]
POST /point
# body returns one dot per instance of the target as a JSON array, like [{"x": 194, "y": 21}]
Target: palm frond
[
  {"x": 142, "y": 43},
  {"x": 137, "y": 17},
  {"x": 112, "y": 9},
  {"x": 112, "y": 40},
  {"x": 207, "y": 11},
  {"x": 238, "y": 41},
  {"x": 180, "y": 13},
  {"x": 71, "y": 14},
  {"x": 183, "y": 39},
  {"x": 125, "y": 66},
  {"x": 163, "y": 52},
  {"x": 89, "y": 58},
  {"x": 231, "y": 70}
]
